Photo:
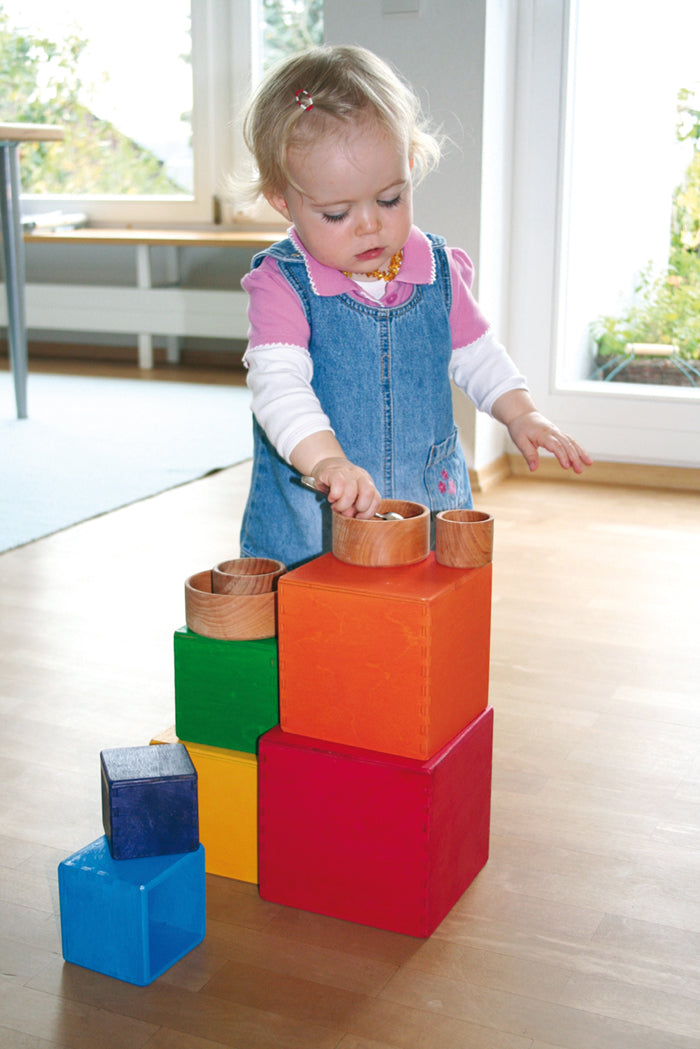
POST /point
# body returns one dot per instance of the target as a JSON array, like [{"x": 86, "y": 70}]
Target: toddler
[{"x": 358, "y": 319}]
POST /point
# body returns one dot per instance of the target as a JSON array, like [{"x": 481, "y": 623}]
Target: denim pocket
[{"x": 446, "y": 476}]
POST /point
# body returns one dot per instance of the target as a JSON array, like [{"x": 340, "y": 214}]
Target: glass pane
[
  {"x": 288, "y": 26},
  {"x": 633, "y": 207},
  {"x": 118, "y": 80}
]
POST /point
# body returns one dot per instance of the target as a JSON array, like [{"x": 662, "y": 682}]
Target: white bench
[{"x": 144, "y": 310}]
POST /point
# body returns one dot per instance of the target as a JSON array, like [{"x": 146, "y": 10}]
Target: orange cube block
[{"x": 388, "y": 659}]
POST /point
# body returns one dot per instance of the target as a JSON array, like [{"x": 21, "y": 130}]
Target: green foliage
[
  {"x": 688, "y": 126},
  {"x": 40, "y": 84},
  {"x": 666, "y": 309},
  {"x": 289, "y": 26},
  {"x": 685, "y": 223}
]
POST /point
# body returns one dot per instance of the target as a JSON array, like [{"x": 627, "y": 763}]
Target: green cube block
[{"x": 226, "y": 692}]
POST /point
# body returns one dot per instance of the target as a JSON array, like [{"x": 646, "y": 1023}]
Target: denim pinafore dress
[{"x": 381, "y": 376}]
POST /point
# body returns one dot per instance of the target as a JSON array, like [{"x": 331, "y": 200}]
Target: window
[
  {"x": 553, "y": 283},
  {"x": 286, "y": 26},
  {"x": 128, "y": 145},
  {"x": 124, "y": 133},
  {"x": 626, "y": 164},
  {"x": 147, "y": 97}
]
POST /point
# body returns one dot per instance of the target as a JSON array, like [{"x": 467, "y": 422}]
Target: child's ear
[{"x": 278, "y": 202}]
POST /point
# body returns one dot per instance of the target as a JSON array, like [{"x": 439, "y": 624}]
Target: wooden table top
[
  {"x": 211, "y": 237},
  {"x": 30, "y": 133}
]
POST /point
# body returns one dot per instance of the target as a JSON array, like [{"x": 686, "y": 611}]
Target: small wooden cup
[
  {"x": 378, "y": 543},
  {"x": 247, "y": 575},
  {"x": 464, "y": 538},
  {"x": 228, "y": 617}
]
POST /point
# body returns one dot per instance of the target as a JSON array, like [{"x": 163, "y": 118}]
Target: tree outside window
[
  {"x": 60, "y": 75},
  {"x": 289, "y": 26}
]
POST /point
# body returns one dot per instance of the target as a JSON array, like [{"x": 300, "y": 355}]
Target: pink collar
[{"x": 418, "y": 266}]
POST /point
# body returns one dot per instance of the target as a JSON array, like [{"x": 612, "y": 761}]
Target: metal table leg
[{"x": 13, "y": 258}]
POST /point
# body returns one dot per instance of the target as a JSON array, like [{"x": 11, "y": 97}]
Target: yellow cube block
[{"x": 228, "y": 807}]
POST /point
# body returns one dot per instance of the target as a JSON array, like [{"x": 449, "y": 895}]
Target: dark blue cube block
[
  {"x": 131, "y": 919},
  {"x": 149, "y": 801}
]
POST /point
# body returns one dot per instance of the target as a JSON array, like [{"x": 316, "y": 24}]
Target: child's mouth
[{"x": 370, "y": 255}]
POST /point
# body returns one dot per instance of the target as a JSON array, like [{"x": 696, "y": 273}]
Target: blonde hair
[{"x": 344, "y": 83}]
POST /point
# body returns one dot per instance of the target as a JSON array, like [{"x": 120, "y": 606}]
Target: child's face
[{"x": 354, "y": 207}]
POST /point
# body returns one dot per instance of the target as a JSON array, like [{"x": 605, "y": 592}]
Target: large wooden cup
[
  {"x": 228, "y": 617},
  {"x": 378, "y": 543}
]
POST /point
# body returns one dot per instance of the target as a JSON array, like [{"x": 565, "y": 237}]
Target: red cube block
[
  {"x": 388, "y": 659},
  {"x": 376, "y": 839}
]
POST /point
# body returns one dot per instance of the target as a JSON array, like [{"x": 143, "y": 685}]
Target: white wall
[
  {"x": 440, "y": 52},
  {"x": 496, "y": 197}
]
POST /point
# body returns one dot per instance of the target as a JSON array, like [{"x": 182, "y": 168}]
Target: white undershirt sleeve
[
  {"x": 485, "y": 371},
  {"x": 284, "y": 403}
]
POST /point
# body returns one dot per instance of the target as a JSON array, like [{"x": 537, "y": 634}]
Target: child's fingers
[
  {"x": 569, "y": 454},
  {"x": 367, "y": 502},
  {"x": 528, "y": 450},
  {"x": 353, "y": 494},
  {"x": 363, "y": 503}
]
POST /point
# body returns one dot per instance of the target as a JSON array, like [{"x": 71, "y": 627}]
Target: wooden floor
[{"x": 583, "y": 930}]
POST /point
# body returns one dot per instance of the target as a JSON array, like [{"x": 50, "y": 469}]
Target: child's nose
[{"x": 369, "y": 220}]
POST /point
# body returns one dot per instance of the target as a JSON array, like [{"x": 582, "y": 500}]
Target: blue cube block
[
  {"x": 149, "y": 801},
  {"x": 131, "y": 919}
]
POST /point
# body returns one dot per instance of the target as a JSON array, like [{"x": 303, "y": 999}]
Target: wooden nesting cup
[
  {"x": 247, "y": 575},
  {"x": 228, "y": 617},
  {"x": 378, "y": 543},
  {"x": 464, "y": 538}
]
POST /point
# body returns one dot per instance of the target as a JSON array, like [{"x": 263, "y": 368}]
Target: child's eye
[
  {"x": 334, "y": 218},
  {"x": 394, "y": 202}
]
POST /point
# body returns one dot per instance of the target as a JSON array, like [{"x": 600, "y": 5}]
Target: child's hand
[
  {"x": 531, "y": 430},
  {"x": 351, "y": 490}
]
